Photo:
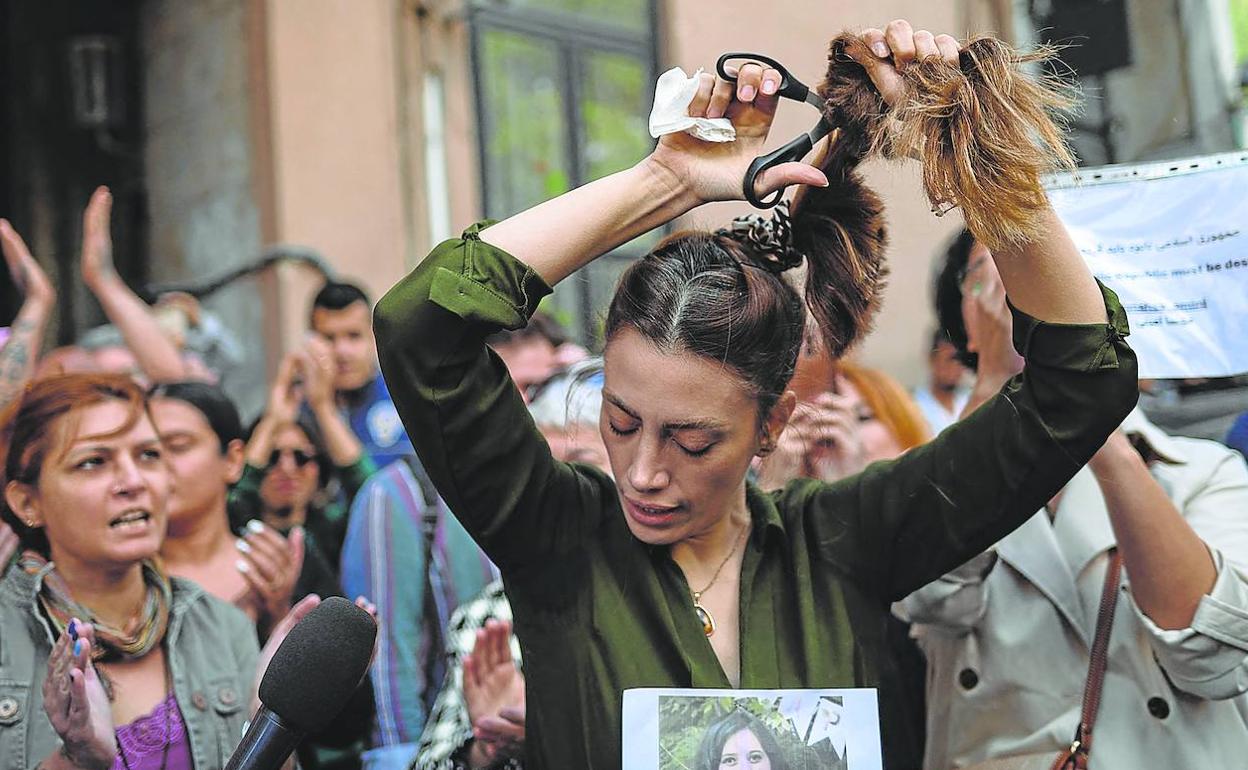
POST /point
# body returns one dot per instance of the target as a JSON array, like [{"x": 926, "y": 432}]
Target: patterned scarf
[{"x": 139, "y": 636}]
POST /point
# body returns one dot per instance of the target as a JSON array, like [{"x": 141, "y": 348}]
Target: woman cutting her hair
[{"x": 679, "y": 573}]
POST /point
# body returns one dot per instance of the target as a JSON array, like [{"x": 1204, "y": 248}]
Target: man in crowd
[
  {"x": 535, "y": 352},
  {"x": 342, "y": 316}
]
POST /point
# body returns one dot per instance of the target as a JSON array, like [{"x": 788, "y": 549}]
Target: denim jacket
[{"x": 212, "y": 652}]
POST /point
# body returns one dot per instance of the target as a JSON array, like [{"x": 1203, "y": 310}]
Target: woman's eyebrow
[
  {"x": 614, "y": 399},
  {"x": 704, "y": 424},
  {"x": 700, "y": 424},
  {"x": 85, "y": 448}
]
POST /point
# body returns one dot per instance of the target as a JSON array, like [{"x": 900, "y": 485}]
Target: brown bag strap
[{"x": 1076, "y": 756}]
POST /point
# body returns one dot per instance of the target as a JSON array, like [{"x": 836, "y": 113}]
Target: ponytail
[{"x": 840, "y": 229}]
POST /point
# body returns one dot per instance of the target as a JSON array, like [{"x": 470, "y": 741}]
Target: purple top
[{"x": 141, "y": 744}]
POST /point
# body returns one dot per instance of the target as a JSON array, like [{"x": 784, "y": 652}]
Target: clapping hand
[
  {"x": 271, "y": 565},
  {"x": 316, "y": 365},
  {"x": 97, "y": 240},
  {"x": 27, "y": 275},
  {"x": 75, "y": 701},
  {"x": 494, "y": 695},
  {"x": 285, "y": 396}
]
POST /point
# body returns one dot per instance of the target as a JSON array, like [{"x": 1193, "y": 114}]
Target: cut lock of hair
[{"x": 986, "y": 130}]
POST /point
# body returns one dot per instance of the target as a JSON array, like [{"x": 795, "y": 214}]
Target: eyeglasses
[{"x": 300, "y": 457}]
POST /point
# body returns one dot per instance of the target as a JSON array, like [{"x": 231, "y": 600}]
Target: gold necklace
[{"x": 704, "y": 615}]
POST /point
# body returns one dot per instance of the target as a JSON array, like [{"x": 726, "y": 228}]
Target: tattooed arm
[
  {"x": 21, "y": 351},
  {"x": 157, "y": 355}
]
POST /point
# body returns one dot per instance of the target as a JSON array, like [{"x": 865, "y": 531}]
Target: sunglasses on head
[{"x": 300, "y": 457}]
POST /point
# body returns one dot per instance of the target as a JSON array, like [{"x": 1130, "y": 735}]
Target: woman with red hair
[
  {"x": 108, "y": 662},
  {"x": 867, "y": 416}
]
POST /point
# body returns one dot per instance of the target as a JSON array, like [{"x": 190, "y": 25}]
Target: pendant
[{"x": 708, "y": 622}]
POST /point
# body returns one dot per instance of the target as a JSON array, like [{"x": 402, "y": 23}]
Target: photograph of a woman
[{"x": 740, "y": 740}]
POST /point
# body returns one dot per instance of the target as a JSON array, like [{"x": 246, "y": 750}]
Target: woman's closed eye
[
  {"x": 617, "y": 430},
  {"x": 694, "y": 451},
  {"x": 178, "y": 446}
]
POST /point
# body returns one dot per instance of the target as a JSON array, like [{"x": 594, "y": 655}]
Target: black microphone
[{"x": 311, "y": 676}]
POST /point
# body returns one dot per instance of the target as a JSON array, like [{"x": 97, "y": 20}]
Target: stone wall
[{"x": 200, "y": 160}]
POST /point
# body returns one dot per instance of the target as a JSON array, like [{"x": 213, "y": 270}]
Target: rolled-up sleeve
[
  {"x": 465, "y": 416},
  {"x": 1208, "y": 659}
]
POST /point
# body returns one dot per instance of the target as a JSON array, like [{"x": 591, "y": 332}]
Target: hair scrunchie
[{"x": 768, "y": 241}]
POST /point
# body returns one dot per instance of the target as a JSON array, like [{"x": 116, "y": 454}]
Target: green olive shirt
[{"x": 598, "y": 611}]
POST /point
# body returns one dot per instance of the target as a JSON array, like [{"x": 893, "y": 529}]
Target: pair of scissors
[{"x": 790, "y": 88}]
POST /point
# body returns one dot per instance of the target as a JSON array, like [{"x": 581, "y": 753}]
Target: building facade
[{"x": 369, "y": 130}]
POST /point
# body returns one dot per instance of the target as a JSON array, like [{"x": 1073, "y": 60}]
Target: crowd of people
[{"x": 721, "y": 498}]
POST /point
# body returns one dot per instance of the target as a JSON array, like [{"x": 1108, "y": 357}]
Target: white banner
[{"x": 1172, "y": 240}]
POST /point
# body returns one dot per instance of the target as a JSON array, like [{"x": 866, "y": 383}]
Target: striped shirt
[{"x": 383, "y": 559}]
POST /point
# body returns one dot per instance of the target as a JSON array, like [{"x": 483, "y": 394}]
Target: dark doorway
[{"x": 71, "y": 119}]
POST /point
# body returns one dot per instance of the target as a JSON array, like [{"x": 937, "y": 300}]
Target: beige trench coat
[{"x": 1007, "y": 636}]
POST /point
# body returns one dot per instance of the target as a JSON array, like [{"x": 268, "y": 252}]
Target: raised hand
[
  {"x": 494, "y": 695},
  {"x": 894, "y": 48},
  {"x": 27, "y": 275},
  {"x": 271, "y": 565},
  {"x": 76, "y": 703},
  {"x": 989, "y": 328},
  {"x": 97, "y": 240},
  {"x": 714, "y": 170}
]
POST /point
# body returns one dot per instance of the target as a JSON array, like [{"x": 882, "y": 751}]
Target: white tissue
[{"x": 672, "y": 95}]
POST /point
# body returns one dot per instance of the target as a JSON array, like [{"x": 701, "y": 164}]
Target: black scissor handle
[
  {"x": 790, "y": 87},
  {"x": 794, "y": 150}
]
